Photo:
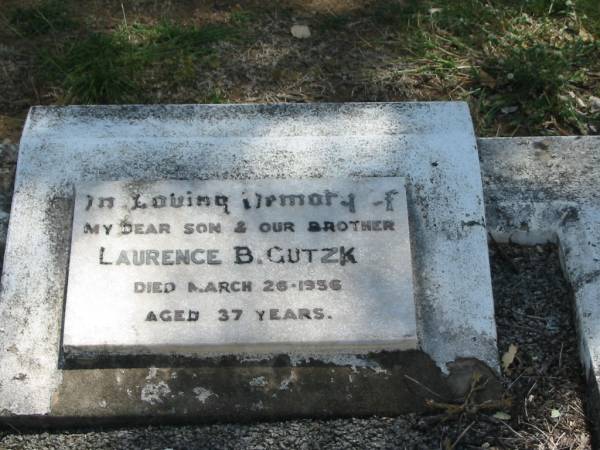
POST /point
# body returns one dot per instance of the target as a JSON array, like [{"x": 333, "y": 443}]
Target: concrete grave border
[
  {"x": 547, "y": 189},
  {"x": 537, "y": 189},
  {"x": 432, "y": 144}
]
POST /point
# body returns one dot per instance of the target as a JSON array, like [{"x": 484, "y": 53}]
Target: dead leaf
[
  {"x": 585, "y": 35},
  {"x": 501, "y": 415},
  {"x": 509, "y": 109},
  {"x": 300, "y": 31},
  {"x": 486, "y": 79},
  {"x": 509, "y": 356}
]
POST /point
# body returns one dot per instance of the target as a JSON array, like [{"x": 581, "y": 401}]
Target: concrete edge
[{"x": 527, "y": 204}]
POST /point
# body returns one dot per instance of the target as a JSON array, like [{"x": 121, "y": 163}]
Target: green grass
[
  {"x": 525, "y": 66},
  {"x": 241, "y": 17},
  {"x": 48, "y": 16},
  {"x": 167, "y": 37},
  {"x": 115, "y": 67},
  {"x": 99, "y": 69},
  {"x": 524, "y": 60},
  {"x": 540, "y": 78}
]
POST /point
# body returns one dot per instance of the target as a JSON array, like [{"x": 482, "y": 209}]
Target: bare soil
[{"x": 359, "y": 50}]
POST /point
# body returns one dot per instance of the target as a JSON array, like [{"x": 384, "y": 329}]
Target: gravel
[{"x": 543, "y": 383}]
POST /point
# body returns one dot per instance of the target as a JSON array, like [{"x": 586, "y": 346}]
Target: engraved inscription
[{"x": 265, "y": 265}]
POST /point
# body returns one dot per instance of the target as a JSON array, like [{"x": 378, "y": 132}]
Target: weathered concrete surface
[
  {"x": 8, "y": 162},
  {"x": 547, "y": 189},
  {"x": 432, "y": 145},
  {"x": 394, "y": 383}
]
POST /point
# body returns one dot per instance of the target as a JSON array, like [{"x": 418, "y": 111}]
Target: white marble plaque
[{"x": 209, "y": 267}]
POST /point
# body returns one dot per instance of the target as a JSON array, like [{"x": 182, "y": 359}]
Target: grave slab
[{"x": 430, "y": 145}]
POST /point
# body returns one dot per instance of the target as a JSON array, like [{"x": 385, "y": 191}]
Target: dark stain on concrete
[{"x": 395, "y": 383}]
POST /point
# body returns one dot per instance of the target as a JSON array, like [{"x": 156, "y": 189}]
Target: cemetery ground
[{"x": 524, "y": 67}]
